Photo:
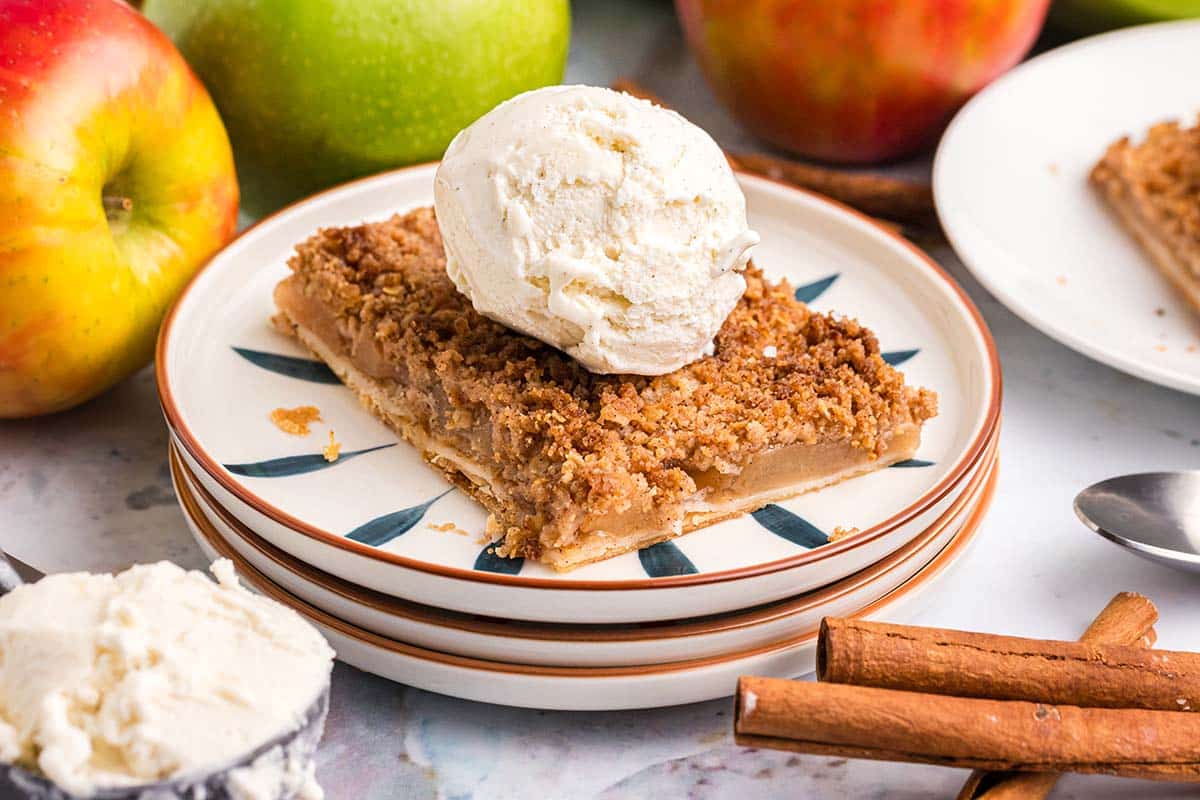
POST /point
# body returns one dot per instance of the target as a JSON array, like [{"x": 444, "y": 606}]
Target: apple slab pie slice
[
  {"x": 576, "y": 467},
  {"x": 1154, "y": 190}
]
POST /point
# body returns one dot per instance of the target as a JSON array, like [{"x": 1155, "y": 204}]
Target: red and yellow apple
[
  {"x": 854, "y": 80},
  {"x": 116, "y": 183}
]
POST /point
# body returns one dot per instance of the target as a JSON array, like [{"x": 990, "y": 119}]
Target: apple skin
[
  {"x": 116, "y": 183},
  {"x": 854, "y": 81},
  {"x": 316, "y": 92}
]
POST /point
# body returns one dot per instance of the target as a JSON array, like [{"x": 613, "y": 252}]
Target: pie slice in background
[{"x": 1154, "y": 190}]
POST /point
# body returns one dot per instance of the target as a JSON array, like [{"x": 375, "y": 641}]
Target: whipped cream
[
  {"x": 153, "y": 674},
  {"x": 597, "y": 222}
]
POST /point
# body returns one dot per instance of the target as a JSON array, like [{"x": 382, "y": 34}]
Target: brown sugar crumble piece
[
  {"x": 296, "y": 420},
  {"x": 841, "y": 532},
  {"x": 573, "y": 466},
  {"x": 447, "y": 527},
  {"x": 332, "y": 450},
  {"x": 1153, "y": 188}
]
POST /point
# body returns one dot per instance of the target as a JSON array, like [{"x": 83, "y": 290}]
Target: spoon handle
[
  {"x": 9, "y": 579},
  {"x": 13, "y": 573}
]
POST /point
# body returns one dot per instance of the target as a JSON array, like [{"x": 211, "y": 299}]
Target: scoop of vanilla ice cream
[
  {"x": 600, "y": 223},
  {"x": 118, "y": 680}
]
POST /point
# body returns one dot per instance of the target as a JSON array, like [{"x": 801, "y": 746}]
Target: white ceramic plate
[
  {"x": 577, "y": 646},
  {"x": 1010, "y": 180},
  {"x": 581, "y": 689},
  {"x": 222, "y": 369}
]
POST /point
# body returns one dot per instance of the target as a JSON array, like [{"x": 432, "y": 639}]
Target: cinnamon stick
[
  {"x": 993, "y": 735},
  {"x": 878, "y": 195},
  {"x": 894, "y": 199},
  {"x": 1127, "y": 619},
  {"x": 630, "y": 86},
  {"x": 963, "y": 664}
]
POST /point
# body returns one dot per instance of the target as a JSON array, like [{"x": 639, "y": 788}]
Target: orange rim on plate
[
  {"x": 970, "y": 458},
  {"x": 261, "y": 583},
  {"x": 193, "y": 496}
]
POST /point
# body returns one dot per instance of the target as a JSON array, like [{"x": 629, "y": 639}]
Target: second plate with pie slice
[{"x": 1011, "y": 180}]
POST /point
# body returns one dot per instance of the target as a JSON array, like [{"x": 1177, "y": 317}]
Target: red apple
[
  {"x": 116, "y": 183},
  {"x": 854, "y": 80}
]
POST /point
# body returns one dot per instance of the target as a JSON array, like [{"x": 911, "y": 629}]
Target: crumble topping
[{"x": 568, "y": 443}]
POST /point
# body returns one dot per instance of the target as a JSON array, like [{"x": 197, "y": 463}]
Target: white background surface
[{"x": 89, "y": 490}]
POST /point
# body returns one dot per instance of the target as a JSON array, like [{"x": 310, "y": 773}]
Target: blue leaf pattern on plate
[
  {"x": 295, "y": 465},
  {"x": 912, "y": 462},
  {"x": 306, "y": 369},
  {"x": 797, "y": 530},
  {"x": 664, "y": 559},
  {"x": 488, "y": 561},
  {"x": 382, "y": 530},
  {"x": 898, "y": 357},
  {"x": 811, "y": 291}
]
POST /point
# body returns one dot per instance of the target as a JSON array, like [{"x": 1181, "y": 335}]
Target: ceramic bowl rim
[{"x": 969, "y": 458}]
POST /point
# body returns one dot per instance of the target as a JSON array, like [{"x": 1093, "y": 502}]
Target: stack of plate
[{"x": 390, "y": 562}]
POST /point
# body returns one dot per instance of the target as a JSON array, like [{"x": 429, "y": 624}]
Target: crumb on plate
[
  {"x": 447, "y": 527},
  {"x": 841, "y": 532},
  {"x": 332, "y": 450},
  {"x": 296, "y": 420}
]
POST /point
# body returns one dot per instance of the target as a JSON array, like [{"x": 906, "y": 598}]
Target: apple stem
[{"x": 117, "y": 206}]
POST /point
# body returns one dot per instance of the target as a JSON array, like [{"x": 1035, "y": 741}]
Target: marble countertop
[{"x": 89, "y": 489}]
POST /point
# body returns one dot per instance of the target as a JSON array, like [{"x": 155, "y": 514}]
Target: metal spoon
[
  {"x": 299, "y": 744},
  {"x": 1154, "y": 514}
]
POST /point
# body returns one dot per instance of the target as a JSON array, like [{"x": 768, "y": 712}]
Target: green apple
[
  {"x": 315, "y": 92},
  {"x": 1093, "y": 16}
]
